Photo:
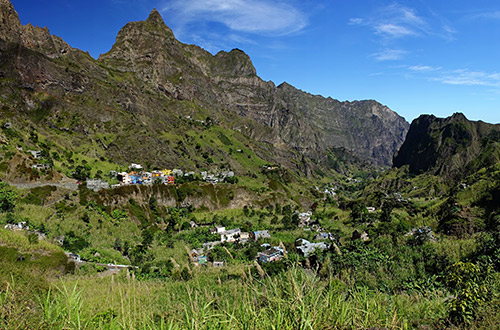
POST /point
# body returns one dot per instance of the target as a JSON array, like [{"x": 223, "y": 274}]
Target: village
[
  {"x": 271, "y": 253},
  {"x": 138, "y": 176},
  {"x": 199, "y": 257}
]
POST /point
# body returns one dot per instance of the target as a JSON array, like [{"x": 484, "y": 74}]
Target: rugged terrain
[
  {"x": 451, "y": 147},
  {"x": 152, "y": 90}
]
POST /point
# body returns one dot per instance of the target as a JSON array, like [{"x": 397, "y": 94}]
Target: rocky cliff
[
  {"x": 452, "y": 147},
  {"x": 149, "y": 83}
]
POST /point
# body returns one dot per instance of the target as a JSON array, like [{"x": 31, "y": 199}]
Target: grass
[
  {"x": 19, "y": 240},
  {"x": 295, "y": 299}
]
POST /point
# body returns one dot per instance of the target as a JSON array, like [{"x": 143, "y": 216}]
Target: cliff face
[
  {"x": 149, "y": 80},
  {"x": 451, "y": 147}
]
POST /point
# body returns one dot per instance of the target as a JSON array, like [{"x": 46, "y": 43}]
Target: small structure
[
  {"x": 230, "y": 235},
  {"x": 7, "y": 125},
  {"x": 218, "y": 229},
  {"x": 137, "y": 167},
  {"x": 370, "y": 209},
  {"x": 218, "y": 264},
  {"x": 261, "y": 234},
  {"x": 19, "y": 226},
  {"x": 171, "y": 180},
  {"x": 422, "y": 233},
  {"x": 211, "y": 245},
  {"x": 271, "y": 255},
  {"x": 59, "y": 240},
  {"x": 156, "y": 174},
  {"x": 244, "y": 237},
  {"x": 201, "y": 260},
  {"x": 40, "y": 166},
  {"x": 357, "y": 235},
  {"x": 37, "y": 154},
  {"x": 323, "y": 236},
  {"x": 306, "y": 248},
  {"x": 97, "y": 185},
  {"x": 166, "y": 172},
  {"x": 73, "y": 256},
  {"x": 305, "y": 219},
  {"x": 124, "y": 178}
]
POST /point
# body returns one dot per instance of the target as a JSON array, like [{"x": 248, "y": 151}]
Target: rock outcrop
[{"x": 452, "y": 147}]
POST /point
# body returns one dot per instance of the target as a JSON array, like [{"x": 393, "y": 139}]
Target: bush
[
  {"x": 8, "y": 197},
  {"x": 469, "y": 282}
]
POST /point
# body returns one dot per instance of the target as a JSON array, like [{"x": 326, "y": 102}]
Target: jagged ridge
[
  {"x": 453, "y": 146},
  {"x": 169, "y": 76}
]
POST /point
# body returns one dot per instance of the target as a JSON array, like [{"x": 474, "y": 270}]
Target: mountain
[
  {"x": 156, "y": 100},
  {"x": 452, "y": 147}
]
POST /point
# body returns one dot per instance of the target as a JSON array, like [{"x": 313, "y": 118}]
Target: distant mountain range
[{"x": 143, "y": 99}]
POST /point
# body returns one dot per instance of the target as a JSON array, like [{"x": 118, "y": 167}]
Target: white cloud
[
  {"x": 466, "y": 77},
  {"x": 252, "y": 16},
  {"x": 489, "y": 15},
  {"x": 422, "y": 68},
  {"x": 461, "y": 77},
  {"x": 393, "y": 30},
  {"x": 397, "y": 21},
  {"x": 356, "y": 21},
  {"x": 390, "y": 55}
]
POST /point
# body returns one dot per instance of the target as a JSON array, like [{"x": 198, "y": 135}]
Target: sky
[{"x": 416, "y": 57}]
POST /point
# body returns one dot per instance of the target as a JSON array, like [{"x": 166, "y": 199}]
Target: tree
[
  {"x": 82, "y": 172},
  {"x": 8, "y": 197},
  {"x": 358, "y": 212},
  {"x": 387, "y": 208},
  {"x": 246, "y": 210}
]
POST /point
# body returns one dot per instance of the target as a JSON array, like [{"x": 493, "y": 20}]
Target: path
[{"x": 70, "y": 185}]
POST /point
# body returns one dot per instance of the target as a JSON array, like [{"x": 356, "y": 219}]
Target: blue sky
[{"x": 420, "y": 56}]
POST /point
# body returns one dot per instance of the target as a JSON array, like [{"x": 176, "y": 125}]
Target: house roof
[
  {"x": 231, "y": 231},
  {"x": 270, "y": 252}
]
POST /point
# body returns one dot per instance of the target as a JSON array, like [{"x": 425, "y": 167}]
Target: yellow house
[{"x": 167, "y": 172}]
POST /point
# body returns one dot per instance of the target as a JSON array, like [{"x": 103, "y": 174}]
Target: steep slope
[
  {"x": 152, "y": 90},
  {"x": 451, "y": 147},
  {"x": 307, "y": 123}
]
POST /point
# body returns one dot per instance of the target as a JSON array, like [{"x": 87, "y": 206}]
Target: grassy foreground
[{"x": 295, "y": 299}]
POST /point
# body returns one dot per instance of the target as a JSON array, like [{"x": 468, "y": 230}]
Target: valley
[{"x": 229, "y": 202}]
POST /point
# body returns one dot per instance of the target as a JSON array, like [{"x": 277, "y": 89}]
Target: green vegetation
[{"x": 392, "y": 279}]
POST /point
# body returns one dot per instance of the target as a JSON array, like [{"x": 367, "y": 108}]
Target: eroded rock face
[
  {"x": 10, "y": 26},
  {"x": 451, "y": 147},
  {"x": 304, "y": 122},
  {"x": 165, "y": 72}
]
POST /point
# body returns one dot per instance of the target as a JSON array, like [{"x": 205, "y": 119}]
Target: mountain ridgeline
[
  {"x": 149, "y": 89},
  {"x": 451, "y": 147}
]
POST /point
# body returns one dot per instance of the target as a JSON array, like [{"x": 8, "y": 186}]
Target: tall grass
[{"x": 296, "y": 299}]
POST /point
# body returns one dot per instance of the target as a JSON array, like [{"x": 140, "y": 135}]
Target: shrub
[{"x": 8, "y": 197}]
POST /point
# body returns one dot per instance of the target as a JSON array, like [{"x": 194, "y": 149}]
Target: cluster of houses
[
  {"x": 422, "y": 232},
  {"x": 37, "y": 154},
  {"x": 137, "y": 176},
  {"x": 24, "y": 226},
  {"x": 199, "y": 256},
  {"x": 272, "y": 253}
]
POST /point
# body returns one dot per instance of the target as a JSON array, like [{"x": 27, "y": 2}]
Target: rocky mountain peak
[
  {"x": 235, "y": 63},
  {"x": 155, "y": 17},
  {"x": 29, "y": 36},
  {"x": 447, "y": 146},
  {"x": 156, "y": 23},
  {"x": 10, "y": 26}
]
